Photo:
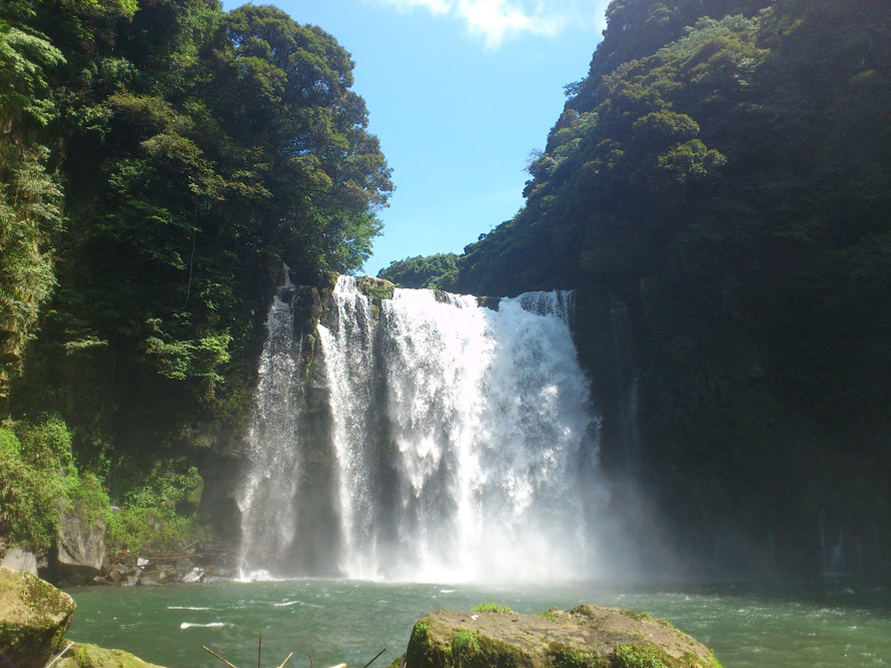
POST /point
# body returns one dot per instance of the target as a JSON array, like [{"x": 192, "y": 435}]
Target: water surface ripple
[{"x": 350, "y": 621}]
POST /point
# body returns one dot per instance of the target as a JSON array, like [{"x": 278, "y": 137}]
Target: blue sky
[{"x": 459, "y": 93}]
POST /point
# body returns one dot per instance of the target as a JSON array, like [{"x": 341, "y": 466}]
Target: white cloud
[
  {"x": 436, "y": 7},
  {"x": 498, "y": 20}
]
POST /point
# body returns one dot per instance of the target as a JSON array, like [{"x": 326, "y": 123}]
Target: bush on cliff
[{"x": 39, "y": 477}]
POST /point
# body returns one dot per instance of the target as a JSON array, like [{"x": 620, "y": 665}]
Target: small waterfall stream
[{"x": 462, "y": 442}]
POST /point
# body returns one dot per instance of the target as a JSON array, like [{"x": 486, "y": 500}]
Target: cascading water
[
  {"x": 462, "y": 443},
  {"x": 268, "y": 525}
]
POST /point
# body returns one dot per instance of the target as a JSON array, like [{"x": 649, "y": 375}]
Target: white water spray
[
  {"x": 265, "y": 499},
  {"x": 461, "y": 442},
  {"x": 488, "y": 423}
]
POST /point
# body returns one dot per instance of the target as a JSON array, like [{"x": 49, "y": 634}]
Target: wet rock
[
  {"x": 126, "y": 559},
  {"x": 150, "y": 580},
  {"x": 588, "y": 636},
  {"x": 19, "y": 560},
  {"x": 33, "y": 617},
  {"x": 184, "y": 565}
]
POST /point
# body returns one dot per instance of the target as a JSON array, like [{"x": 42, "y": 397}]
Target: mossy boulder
[
  {"x": 587, "y": 637},
  {"x": 33, "y": 617},
  {"x": 89, "y": 656},
  {"x": 375, "y": 288}
]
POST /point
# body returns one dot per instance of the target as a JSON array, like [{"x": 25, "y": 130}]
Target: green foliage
[
  {"x": 565, "y": 657},
  {"x": 148, "y": 517},
  {"x": 30, "y": 215},
  {"x": 465, "y": 645},
  {"x": 25, "y": 58},
  {"x": 37, "y": 476},
  {"x": 419, "y": 631},
  {"x": 491, "y": 607},
  {"x": 550, "y": 614},
  {"x": 433, "y": 271},
  {"x": 198, "y": 150}
]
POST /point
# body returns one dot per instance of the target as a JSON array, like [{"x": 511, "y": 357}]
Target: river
[{"x": 748, "y": 626}]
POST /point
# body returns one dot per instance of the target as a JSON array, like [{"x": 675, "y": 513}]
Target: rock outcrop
[
  {"x": 80, "y": 549},
  {"x": 20, "y": 560},
  {"x": 33, "y": 617},
  {"x": 586, "y": 637},
  {"x": 90, "y": 656}
]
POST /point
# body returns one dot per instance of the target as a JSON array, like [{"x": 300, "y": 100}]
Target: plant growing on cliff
[
  {"x": 38, "y": 477},
  {"x": 151, "y": 515}
]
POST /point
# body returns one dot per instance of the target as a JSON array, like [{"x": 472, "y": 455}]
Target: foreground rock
[
  {"x": 90, "y": 656},
  {"x": 33, "y": 617},
  {"x": 586, "y": 637}
]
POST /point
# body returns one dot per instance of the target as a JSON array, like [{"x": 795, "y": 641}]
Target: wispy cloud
[{"x": 496, "y": 21}]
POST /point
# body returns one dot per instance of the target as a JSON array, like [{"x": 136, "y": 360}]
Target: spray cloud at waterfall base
[{"x": 432, "y": 439}]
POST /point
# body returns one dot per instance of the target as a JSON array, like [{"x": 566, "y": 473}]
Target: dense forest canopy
[
  {"x": 725, "y": 171},
  {"x": 159, "y": 160},
  {"x": 431, "y": 271}
]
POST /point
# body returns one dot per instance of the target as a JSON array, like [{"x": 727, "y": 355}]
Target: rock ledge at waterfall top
[{"x": 586, "y": 637}]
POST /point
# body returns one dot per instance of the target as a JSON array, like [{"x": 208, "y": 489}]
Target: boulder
[
  {"x": 89, "y": 656},
  {"x": 375, "y": 288},
  {"x": 80, "y": 548},
  {"x": 19, "y": 560},
  {"x": 33, "y": 617},
  {"x": 586, "y": 637}
]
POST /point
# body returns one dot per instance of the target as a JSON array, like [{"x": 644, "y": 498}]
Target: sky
[{"x": 459, "y": 92}]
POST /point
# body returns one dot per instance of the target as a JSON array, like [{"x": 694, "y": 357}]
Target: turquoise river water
[{"x": 350, "y": 621}]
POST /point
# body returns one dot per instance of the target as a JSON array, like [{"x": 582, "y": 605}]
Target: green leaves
[
  {"x": 433, "y": 271},
  {"x": 24, "y": 59},
  {"x": 687, "y": 163}
]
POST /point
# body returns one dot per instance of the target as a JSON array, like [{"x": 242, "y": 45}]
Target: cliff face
[{"x": 721, "y": 179}]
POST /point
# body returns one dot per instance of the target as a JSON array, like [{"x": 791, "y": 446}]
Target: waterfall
[
  {"x": 268, "y": 525},
  {"x": 461, "y": 439}
]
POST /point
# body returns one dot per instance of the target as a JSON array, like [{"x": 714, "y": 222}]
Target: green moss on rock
[
  {"x": 34, "y": 615},
  {"x": 586, "y": 637},
  {"x": 90, "y": 656},
  {"x": 375, "y": 288}
]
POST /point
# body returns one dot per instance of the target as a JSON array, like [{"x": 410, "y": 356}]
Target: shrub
[
  {"x": 149, "y": 518},
  {"x": 33, "y": 480}
]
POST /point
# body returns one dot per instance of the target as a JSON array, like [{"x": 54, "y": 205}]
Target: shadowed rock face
[
  {"x": 80, "y": 549},
  {"x": 33, "y": 617},
  {"x": 586, "y": 637}
]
